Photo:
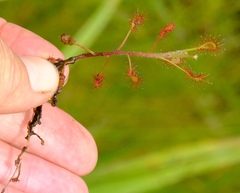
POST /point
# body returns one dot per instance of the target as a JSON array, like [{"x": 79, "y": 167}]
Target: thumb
[{"x": 25, "y": 82}]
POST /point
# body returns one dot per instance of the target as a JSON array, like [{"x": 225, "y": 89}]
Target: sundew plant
[{"x": 176, "y": 59}]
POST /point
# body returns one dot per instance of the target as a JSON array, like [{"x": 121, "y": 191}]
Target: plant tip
[
  {"x": 98, "y": 80},
  {"x": 136, "y": 21},
  {"x": 67, "y": 39}
]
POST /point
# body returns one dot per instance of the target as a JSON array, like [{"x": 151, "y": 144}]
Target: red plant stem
[
  {"x": 163, "y": 56},
  {"x": 154, "y": 45},
  {"x": 118, "y": 53}
]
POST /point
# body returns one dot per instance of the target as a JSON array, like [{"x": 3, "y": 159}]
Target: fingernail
[{"x": 43, "y": 74}]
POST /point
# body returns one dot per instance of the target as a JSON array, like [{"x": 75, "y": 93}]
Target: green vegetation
[{"x": 170, "y": 135}]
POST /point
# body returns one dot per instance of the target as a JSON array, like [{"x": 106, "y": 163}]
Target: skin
[{"x": 69, "y": 150}]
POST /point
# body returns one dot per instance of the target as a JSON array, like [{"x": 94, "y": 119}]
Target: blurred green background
[{"x": 170, "y": 135}]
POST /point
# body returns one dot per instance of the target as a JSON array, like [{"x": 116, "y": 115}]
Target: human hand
[{"x": 28, "y": 80}]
